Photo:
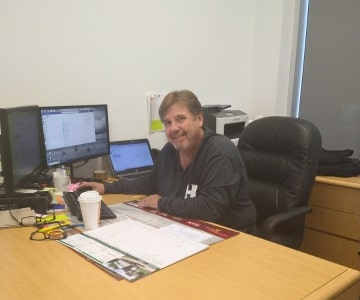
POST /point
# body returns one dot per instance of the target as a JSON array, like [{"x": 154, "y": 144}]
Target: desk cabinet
[{"x": 332, "y": 229}]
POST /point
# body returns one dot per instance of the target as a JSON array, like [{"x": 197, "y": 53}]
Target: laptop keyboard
[
  {"x": 71, "y": 200},
  {"x": 134, "y": 175}
]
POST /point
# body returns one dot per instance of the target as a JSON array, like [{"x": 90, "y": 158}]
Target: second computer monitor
[
  {"x": 74, "y": 133},
  {"x": 20, "y": 145}
]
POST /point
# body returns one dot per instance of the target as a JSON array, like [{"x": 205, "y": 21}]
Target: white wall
[{"x": 236, "y": 52}]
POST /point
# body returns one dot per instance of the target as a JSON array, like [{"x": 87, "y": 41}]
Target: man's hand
[
  {"x": 150, "y": 201},
  {"x": 96, "y": 186}
]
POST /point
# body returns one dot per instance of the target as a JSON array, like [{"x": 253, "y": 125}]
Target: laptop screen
[{"x": 130, "y": 156}]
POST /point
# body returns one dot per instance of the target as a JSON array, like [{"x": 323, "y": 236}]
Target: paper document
[
  {"x": 141, "y": 241},
  {"x": 134, "y": 249},
  {"x": 154, "y": 101},
  {"x": 7, "y": 221}
]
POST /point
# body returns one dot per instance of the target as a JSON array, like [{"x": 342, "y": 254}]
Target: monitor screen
[
  {"x": 21, "y": 145},
  {"x": 74, "y": 133}
]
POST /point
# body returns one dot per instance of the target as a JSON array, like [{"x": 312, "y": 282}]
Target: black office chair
[
  {"x": 281, "y": 156},
  {"x": 155, "y": 152}
]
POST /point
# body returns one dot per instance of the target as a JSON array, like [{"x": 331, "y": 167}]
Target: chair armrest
[{"x": 270, "y": 224}]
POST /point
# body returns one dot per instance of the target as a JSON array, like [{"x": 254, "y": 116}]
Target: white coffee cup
[
  {"x": 90, "y": 204},
  {"x": 61, "y": 182}
]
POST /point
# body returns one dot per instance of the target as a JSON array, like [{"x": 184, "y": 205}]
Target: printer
[{"x": 224, "y": 121}]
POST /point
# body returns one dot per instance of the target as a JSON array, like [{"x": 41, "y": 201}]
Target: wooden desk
[
  {"x": 243, "y": 267},
  {"x": 333, "y": 227}
]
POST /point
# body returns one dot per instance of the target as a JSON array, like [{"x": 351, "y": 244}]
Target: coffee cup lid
[{"x": 89, "y": 196}]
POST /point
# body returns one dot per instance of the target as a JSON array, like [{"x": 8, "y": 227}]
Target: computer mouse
[{"x": 82, "y": 190}]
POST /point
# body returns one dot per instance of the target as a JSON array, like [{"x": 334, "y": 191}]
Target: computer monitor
[
  {"x": 74, "y": 133},
  {"x": 21, "y": 145}
]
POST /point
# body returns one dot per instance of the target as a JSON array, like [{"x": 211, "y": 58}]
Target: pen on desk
[
  {"x": 65, "y": 226},
  {"x": 57, "y": 206},
  {"x": 53, "y": 226},
  {"x": 73, "y": 225}
]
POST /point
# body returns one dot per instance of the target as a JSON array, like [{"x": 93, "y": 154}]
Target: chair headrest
[{"x": 293, "y": 136}]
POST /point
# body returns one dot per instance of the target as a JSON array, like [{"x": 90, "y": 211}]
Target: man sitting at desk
[{"x": 198, "y": 174}]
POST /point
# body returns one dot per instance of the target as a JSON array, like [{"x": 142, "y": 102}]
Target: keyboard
[
  {"x": 132, "y": 175},
  {"x": 71, "y": 200}
]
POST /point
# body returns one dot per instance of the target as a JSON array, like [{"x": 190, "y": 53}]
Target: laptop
[{"x": 130, "y": 159}]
